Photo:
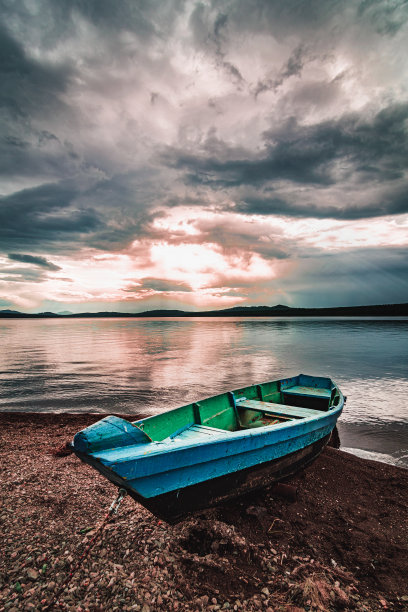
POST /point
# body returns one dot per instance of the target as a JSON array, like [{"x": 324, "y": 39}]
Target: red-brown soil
[{"x": 343, "y": 544}]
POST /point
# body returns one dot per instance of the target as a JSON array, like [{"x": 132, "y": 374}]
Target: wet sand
[{"x": 343, "y": 544}]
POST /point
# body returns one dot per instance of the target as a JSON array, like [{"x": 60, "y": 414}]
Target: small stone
[
  {"x": 32, "y": 573},
  {"x": 265, "y": 591}
]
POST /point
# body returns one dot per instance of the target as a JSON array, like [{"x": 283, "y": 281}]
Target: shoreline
[
  {"x": 280, "y": 310},
  {"x": 343, "y": 544},
  {"x": 83, "y": 419}
]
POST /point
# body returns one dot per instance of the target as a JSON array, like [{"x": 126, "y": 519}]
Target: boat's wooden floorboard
[{"x": 199, "y": 432}]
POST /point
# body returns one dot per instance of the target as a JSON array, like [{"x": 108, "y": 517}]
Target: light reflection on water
[{"x": 150, "y": 365}]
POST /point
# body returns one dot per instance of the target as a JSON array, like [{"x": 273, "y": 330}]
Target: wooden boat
[{"x": 204, "y": 453}]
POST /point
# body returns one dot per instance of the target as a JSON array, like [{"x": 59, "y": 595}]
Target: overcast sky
[{"x": 203, "y": 155}]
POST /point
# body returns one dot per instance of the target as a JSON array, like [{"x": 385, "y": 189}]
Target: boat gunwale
[{"x": 162, "y": 447}]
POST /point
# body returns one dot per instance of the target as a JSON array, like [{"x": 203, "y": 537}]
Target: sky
[{"x": 202, "y": 154}]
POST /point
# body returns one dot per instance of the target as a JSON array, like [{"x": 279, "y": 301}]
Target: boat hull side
[
  {"x": 176, "y": 505},
  {"x": 182, "y": 477},
  {"x": 165, "y": 467}
]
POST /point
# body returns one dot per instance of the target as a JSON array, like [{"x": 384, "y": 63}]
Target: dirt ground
[{"x": 341, "y": 544}]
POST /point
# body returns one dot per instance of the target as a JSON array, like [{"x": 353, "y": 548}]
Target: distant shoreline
[{"x": 380, "y": 310}]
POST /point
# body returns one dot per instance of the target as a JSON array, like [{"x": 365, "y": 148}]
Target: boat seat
[
  {"x": 277, "y": 409},
  {"x": 308, "y": 392}
]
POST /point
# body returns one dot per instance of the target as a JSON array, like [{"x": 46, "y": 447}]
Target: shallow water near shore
[{"x": 145, "y": 366}]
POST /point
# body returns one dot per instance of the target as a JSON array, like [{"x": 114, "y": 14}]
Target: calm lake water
[{"x": 145, "y": 366}]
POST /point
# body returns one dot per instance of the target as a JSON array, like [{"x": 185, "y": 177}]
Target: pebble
[{"x": 32, "y": 573}]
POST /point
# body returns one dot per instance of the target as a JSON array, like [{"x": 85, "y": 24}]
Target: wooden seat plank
[
  {"x": 278, "y": 409},
  {"x": 308, "y": 391}
]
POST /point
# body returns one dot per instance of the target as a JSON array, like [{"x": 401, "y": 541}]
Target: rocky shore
[{"x": 341, "y": 545}]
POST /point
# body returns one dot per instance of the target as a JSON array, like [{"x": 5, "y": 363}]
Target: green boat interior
[{"x": 250, "y": 407}]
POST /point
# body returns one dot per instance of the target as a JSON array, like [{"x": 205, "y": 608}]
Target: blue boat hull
[
  {"x": 234, "y": 443},
  {"x": 176, "y": 505}
]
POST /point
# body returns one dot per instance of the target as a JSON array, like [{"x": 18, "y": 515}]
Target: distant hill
[
  {"x": 10, "y": 312},
  {"x": 280, "y": 310}
]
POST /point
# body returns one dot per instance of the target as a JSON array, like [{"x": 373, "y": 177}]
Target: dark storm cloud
[
  {"x": 31, "y": 90},
  {"x": 43, "y": 216},
  {"x": 27, "y": 84},
  {"x": 25, "y": 275},
  {"x": 126, "y": 207},
  {"x": 39, "y": 154},
  {"x": 394, "y": 203},
  {"x": 369, "y": 150},
  {"x": 35, "y": 260},
  {"x": 386, "y": 17},
  {"x": 53, "y": 21},
  {"x": 305, "y": 154},
  {"x": 38, "y": 77},
  {"x": 63, "y": 217},
  {"x": 291, "y": 17},
  {"x": 114, "y": 15}
]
